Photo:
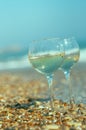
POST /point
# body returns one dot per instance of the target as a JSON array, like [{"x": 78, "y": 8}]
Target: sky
[{"x": 22, "y": 21}]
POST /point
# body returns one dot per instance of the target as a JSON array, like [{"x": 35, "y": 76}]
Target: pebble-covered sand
[{"x": 25, "y": 105}]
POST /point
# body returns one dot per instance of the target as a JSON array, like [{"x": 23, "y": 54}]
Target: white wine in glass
[{"x": 46, "y": 56}]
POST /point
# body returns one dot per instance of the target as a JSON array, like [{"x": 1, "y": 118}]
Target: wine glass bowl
[
  {"x": 46, "y": 56},
  {"x": 72, "y": 54}
]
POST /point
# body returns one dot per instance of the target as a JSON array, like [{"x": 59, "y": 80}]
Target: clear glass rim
[
  {"x": 54, "y": 38},
  {"x": 45, "y": 39},
  {"x": 70, "y": 38}
]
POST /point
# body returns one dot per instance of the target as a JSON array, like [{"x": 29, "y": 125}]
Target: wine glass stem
[
  {"x": 67, "y": 76},
  {"x": 50, "y": 80}
]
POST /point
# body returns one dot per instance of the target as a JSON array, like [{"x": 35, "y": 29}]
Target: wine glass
[
  {"x": 46, "y": 56},
  {"x": 72, "y": 54}
]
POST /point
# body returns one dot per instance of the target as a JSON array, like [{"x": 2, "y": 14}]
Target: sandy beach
[{"x": 25, "y": 104}]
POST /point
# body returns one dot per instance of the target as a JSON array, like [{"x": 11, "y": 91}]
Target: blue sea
[{"x": 15, "y": 58}]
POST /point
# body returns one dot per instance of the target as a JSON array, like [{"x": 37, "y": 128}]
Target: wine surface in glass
[
  {"x": 70, "y": 60},
  {"x": 47, "y": 63}
]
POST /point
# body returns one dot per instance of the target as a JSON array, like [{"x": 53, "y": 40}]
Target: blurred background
[{"x": 22, "y": 21}]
